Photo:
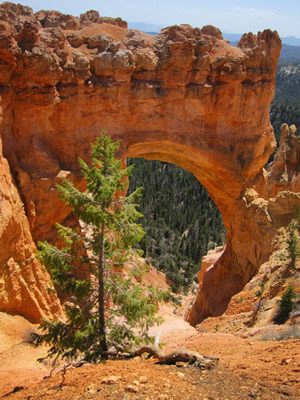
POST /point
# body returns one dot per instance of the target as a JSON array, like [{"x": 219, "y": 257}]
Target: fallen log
[
  {"x": 178, "y": 355},
  {"x": 175, "y": 356}
]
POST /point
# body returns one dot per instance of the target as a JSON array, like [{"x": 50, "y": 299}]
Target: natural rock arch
[{"x": 185, "y": 96}]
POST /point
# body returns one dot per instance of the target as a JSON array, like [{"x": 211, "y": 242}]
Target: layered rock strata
[{"x": 185, "y": 96}]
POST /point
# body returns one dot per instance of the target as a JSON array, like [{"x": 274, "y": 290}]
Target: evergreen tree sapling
[
  {"x": 286, "y": 305},
  {"x": 107, "y": 311}
]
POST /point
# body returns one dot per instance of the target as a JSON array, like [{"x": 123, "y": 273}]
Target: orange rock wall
[
  {"x": 185, "y": 96},
  {"x": 24, "y": 282}
]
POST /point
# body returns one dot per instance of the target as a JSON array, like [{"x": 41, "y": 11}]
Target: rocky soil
[{"x": 248, "y": 368}]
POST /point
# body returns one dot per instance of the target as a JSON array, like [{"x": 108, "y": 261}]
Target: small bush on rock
[{"x": 286, "y": 305}]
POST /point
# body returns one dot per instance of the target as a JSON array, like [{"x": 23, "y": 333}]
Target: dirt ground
[{"x": 248, "y": 369}]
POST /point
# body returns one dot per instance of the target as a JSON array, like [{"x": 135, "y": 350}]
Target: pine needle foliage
[
  {"x": 286, "y": 305},
  {"x": 105, "y": 312}
]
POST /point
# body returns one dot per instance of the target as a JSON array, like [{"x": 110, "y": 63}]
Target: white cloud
[{"x": 254, "y": 12}]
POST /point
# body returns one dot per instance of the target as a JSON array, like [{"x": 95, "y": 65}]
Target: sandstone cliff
[{"x": 185, "y": 96}]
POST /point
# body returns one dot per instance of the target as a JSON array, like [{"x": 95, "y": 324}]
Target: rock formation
[
  {"x": 24, "y": 282},
  {"x": 185, "y": 96},
  {"x": 253, "y": 311}
]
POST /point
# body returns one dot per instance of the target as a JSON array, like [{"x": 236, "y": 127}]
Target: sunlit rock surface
[{"x": 185, "y": 96}]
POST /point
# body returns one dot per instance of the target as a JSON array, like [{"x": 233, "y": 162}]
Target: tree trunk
[{"x": 101, "y": 294}]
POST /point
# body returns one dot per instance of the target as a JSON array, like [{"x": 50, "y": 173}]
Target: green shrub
[{"x": 286, "y": 305}]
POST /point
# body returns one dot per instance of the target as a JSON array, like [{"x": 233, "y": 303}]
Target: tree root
[{"x": 179, "y": 355}]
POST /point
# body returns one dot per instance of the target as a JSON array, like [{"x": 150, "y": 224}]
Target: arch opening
[
  {"x": 220, "y": 173},
  {"x": 180, "y": 220}
]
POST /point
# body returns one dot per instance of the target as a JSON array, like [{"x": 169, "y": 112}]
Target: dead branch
[{"x": 179, "y": 355}]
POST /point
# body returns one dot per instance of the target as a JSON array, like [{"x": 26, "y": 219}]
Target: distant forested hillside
[
  {"x": 181, "y": 221},
  {"x": 289, "y": 54},
  {"x": 286, "y": 104},
  {"x": 288, "y": 84}
]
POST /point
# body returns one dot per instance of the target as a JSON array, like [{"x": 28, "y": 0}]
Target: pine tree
[
  {"x": 105, "y": 311},
  {"x": 286, "y": 305}
]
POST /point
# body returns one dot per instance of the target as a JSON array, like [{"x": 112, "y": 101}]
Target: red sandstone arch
[{"x": 185, "y": 96}]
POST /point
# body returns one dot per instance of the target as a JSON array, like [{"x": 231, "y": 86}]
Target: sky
[{"x": 230, "y": 16}]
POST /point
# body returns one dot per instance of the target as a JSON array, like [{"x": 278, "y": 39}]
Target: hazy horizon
[
  {"x": 231, "y": 17},
  {"x": 155, "y": 28}
]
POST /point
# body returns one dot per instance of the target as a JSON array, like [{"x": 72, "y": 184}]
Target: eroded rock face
[
  {"x": 184, "y": 96},
  {"x": 283, "y": 172},
  {"x": 24, "y": 282}
]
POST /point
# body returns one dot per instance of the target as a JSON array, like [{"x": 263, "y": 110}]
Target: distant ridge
[
  {"x": 291, "y": 41},
  {"x": 289, "y": 54},
  {"x": 232, "y": 37},
  {"x": 287, "y": 40},
  {"x": 154, "y": 29}
]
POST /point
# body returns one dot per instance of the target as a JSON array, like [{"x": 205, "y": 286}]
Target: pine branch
[{"x": 108, "y": 230}]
